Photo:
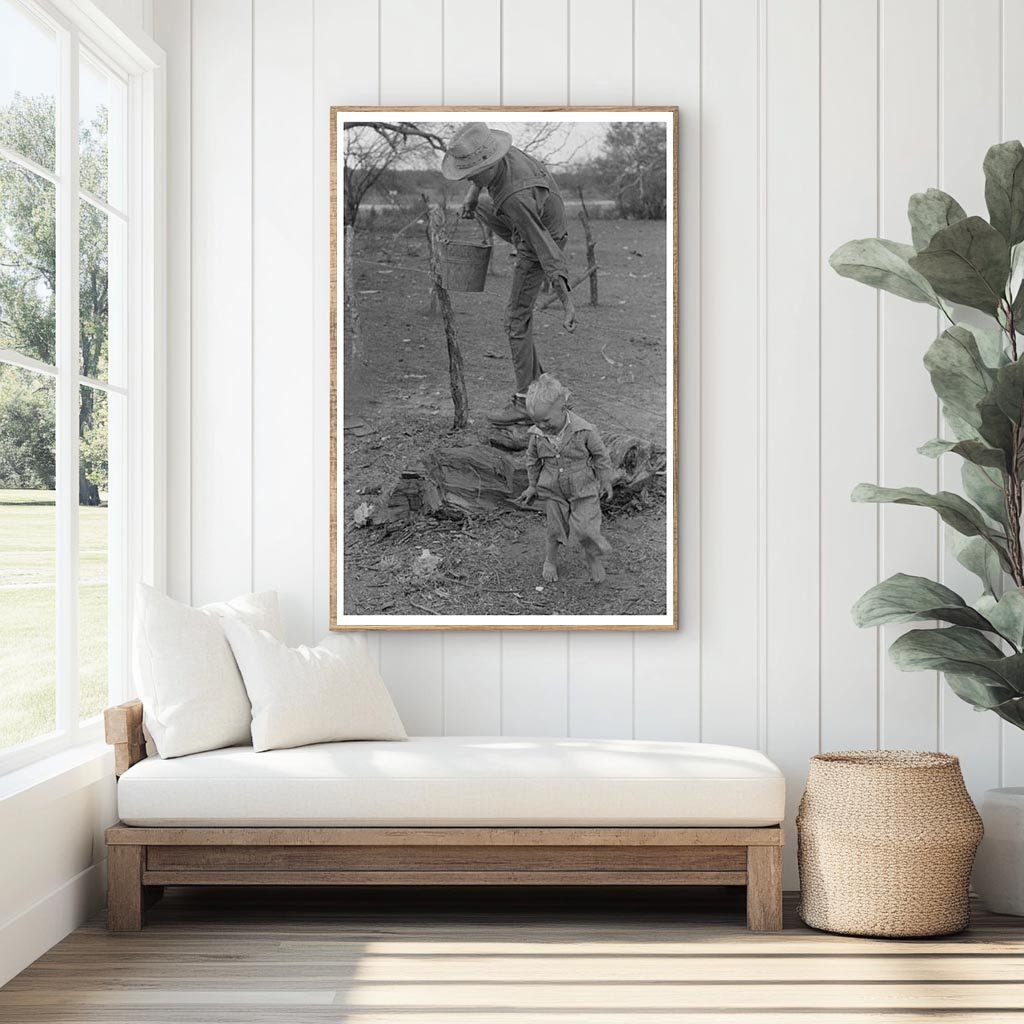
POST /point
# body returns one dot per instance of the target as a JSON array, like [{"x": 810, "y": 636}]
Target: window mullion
[{"x": 67, "y": 386}]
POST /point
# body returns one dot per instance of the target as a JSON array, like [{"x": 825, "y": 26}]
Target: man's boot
[{"x": 514, "y": 412}]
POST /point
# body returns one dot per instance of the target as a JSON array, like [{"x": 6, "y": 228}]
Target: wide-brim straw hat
[{"x": 474, "y": 147}]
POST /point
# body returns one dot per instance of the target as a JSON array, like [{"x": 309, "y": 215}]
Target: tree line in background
[
  {"x": 28, "y": 288},
  {"x": 629, "y": 171}
]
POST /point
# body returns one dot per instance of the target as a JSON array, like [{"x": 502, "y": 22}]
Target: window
[{"x": 77, "y": 250}]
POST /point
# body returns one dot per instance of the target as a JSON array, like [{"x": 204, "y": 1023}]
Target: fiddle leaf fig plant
[{"x": 978, "y": 375}]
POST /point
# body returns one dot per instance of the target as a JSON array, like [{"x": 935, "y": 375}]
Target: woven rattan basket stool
[{"x": 885, "y": 842}]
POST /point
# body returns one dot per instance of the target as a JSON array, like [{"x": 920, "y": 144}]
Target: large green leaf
[
  {"x": 1009, "y": 390},
  {"x": 883, "y": 264},
  {"x": 903, "y": 598},
  {"x": 1015, "y": 284},
  {"x": 983, "y": 694},
  {"x": 964, "y": 652},
  {"x": 973, "y": 451},
  {"x": 1006, "y": 614},
  {"x": 958, "y": 372},
  {"x": 1004, "y": 189},
  {"x": 985, "y": 487},
  {"x": 990, "y": 345},
  {"x": 967, "y": 263},
  {"x": 1017, "y": 309},
  {"x": 932, "y": 211},
  {"x": 996, "y": 427},
  {"x": 1011, "y": 711},
  {"x": 945, "y": 650},
  {"x": 953, "y": 510},
  {"x": 976, "y": 555},
  {"x": 962, "y": 430}
]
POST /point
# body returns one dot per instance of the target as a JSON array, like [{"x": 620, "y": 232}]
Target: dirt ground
[{"x": 398, "y": 407}]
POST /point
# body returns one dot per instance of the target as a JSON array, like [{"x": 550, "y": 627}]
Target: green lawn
[{"x": 28, "y": 617}]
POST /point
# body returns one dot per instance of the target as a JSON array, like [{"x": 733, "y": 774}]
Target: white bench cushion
[{"x": 459, "y": 780}]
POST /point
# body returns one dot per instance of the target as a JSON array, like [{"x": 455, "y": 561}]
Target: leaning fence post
[
  {"x": 351, "y": 309},
  {"x": 591, "y": 248},
  {"x": 455, "y": 371}
]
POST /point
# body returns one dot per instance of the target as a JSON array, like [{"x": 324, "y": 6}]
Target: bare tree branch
[{"x": 402, "y": 128}]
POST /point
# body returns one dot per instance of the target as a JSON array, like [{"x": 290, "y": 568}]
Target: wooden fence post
[
  {"x": 457, "y": 378},
  {"x": 351, "y": 309},
  {"x": 591, "y": 248}
]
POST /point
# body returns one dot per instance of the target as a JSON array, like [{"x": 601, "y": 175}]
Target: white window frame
[{"x": 141, "y": 64}]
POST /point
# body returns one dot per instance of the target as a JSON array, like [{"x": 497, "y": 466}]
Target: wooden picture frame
[{"x": 403, "y": 590}]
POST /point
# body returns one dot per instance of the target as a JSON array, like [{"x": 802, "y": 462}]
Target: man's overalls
[{"x": 526, "y": 209}]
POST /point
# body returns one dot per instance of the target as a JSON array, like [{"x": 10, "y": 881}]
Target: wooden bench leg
[
  {"x": 764, "y": 888},
  {"x": 125, "y": 896}
]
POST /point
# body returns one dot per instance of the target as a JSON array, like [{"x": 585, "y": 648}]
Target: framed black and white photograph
[{"x": 504, "y": 327}]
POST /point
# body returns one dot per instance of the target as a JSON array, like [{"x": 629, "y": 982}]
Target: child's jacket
[{"x": 571, "y": 465}]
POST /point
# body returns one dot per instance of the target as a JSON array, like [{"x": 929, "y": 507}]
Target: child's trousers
[{"x": 581, "y": 516}]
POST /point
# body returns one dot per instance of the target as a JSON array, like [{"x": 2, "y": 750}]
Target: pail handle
[{"x": 458, "y": 222}]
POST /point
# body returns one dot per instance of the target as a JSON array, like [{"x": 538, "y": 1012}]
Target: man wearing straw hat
[{"x": 525, "y": 209}]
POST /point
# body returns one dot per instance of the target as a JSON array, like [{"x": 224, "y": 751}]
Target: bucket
[{"x": 464, "y": 266}]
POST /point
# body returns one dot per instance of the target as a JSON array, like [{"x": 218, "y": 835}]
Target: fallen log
[
  {"x": 635, "y": 459},
  {"x": 478, "y": 478},
  {"x": 475, "y": 478}
]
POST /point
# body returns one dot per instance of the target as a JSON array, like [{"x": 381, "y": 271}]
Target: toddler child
[{"x": 568, "y": 468}]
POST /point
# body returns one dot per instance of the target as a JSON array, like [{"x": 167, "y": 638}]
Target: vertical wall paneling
[
  {"x": 601, "y": 685},
  {"x": 968, "y": 125},
  {"x": 792, "y": 416},
  {"x": 411, "y": 51},
  {"x": 729, "y": 282},
  {"x": 666, "y": 668},
  {"x": 535, "y": 52},
  {"x": 472, "y": 684},
  {"x": 413, "y": 665},
  {"x": 472, "y": 75},
  {"x": 600, "y": 52},
  {"x": 472, "y": 52},
  {"x": 283, "y": 339},
  {"x": 535, "y": 69},
  {"x": 600, "y": 72},
  {"x": 173, "y": 28},
  {"x": 908, "y": 103},
  {"x": 849, "y": 369},
  {"x": 412, "y": 72},
  {"x": 128, "y": 14},
  {"x": 1011, "y": 112},
  {"x": 221, "y": 370},
  {"x": 349, "y": 29},
  {"x": 534, "y": 669}
]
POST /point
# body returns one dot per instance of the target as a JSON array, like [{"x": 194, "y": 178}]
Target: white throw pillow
[
  {"x": 192, "y": 693},
  {"x": 309, "y": 694}
]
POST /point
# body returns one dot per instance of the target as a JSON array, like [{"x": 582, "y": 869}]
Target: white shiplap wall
[{"x": 804, "y": 123}]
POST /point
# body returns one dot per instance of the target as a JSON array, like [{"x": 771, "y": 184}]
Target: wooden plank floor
[{"x": 219, "y": 956}]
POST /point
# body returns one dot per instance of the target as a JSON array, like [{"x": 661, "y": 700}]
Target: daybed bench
[{"x": 444, "y": 811}]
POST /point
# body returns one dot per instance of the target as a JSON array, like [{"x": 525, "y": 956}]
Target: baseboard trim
[{"x": 26, "y": 937}]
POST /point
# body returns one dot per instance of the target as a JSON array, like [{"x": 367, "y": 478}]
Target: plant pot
[{"x": 999, "y": 868}]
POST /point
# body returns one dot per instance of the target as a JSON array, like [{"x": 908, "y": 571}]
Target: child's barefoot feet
[
  {"x": 596, "y": 565},
  {"x": 550, "y": 572}
]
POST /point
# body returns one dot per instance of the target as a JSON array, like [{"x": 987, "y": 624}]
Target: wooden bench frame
[{"x": 142, "y": 860}]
